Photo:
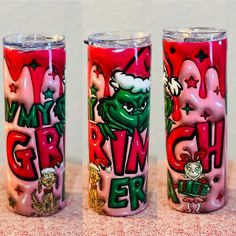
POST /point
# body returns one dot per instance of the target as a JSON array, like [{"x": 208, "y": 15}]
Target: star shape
[
  {"x": 187, "y": 108},
  {"x": 216, "y": 179},
  {"x": 220, "y": 196},
  {"x": 93, "y": 91},
  {"x": 97, "y": 71},
  {"x": 48, "y": 93},
  {"x": 13, "y": 88},
  {"x": 191, "y": 82},
  {"x": 12, "y": 202},
  {"x": 205, "y": 115},
  {"x": 201, "y": 56},
  {"x": 217, "y": 91},
  {"x": 19, "y": 190},
  {"x": 172, "y": 50},
  {"x": 33, "y": 64}
]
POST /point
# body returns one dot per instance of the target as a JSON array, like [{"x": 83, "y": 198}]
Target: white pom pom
[{"x": 108, "y": 169}]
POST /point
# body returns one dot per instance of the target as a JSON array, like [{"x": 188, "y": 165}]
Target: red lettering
[
  {"x": 203, "y": 133},
  {"x": 21, "y": 163},
  {"x": 119, "y": 147},
  {"x": 177, "y": 135},
  {"x": 204, "y": 139},
  {"x": 138, "y": 153},
  {"x": 48, "y": 147},
  {"x": 96, "y": 153}
]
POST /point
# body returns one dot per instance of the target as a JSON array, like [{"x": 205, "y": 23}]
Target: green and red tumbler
[
  {"x": 195, "y": 115},
  {"x": 119, "y": 66},
  {"x": 34, "y": 93}
]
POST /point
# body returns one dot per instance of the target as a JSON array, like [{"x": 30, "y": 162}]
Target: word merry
[
  {"x": 132, "y": 187},
  {"x": 203, "y": 133}
]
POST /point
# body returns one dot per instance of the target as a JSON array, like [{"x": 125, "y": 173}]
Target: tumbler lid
[
  {"x": 34, "y": 41},
  {"x": 194, "y": 34},
  {"x": 119, "y": 39}
]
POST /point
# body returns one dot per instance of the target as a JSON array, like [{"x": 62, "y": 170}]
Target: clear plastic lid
[
  {"x": 34, "y": 41},
  {"x": 194, "y": 34},
  {"x": 118, "y": 39}
]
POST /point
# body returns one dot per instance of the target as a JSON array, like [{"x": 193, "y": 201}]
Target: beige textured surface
[{"x": 157, "y": 219}]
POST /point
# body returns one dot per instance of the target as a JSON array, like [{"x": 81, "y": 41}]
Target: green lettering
[
  {"x": 136, "y": 192},
  {"x": 10, "y": 110},
  {"x": 28, "y": 120},
  {"x": 45, "y": 111},
  {"x": 116, "y": 192}
]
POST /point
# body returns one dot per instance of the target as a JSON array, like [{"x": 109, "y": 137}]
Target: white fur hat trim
[
  {"x": 48, "y": 170},
  {"x": 128, "y": 82}
]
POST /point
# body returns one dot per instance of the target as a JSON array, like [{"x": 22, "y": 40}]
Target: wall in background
[
  {"x": 77, "y": 19},
  {"x": 63, "y": 17}
]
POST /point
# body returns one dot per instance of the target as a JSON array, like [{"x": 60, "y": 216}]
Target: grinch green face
[{"x": 125, "y": 110}]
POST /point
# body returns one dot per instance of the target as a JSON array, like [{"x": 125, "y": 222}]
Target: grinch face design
[
  {"x": 193, "y": 170},
  {"x": 126, "y": 111},
  {"x": 128, "y": 108}
]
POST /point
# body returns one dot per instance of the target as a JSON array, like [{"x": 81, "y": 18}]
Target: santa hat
[{"x": 128, "y": 82}]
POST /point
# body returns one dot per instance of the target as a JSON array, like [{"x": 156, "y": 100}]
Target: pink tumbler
[
  {"x": 34, "y": 123},
  {"x": 195, "y": 115}
]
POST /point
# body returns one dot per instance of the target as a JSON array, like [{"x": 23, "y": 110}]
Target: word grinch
[{"x": 20, "y": 156}]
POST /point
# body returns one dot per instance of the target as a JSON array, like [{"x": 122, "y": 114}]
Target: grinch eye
[
  {"x": 144, "y": 104},
  {"x": 197, "y": 169},
  {"x": 128, "y": 107}
]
